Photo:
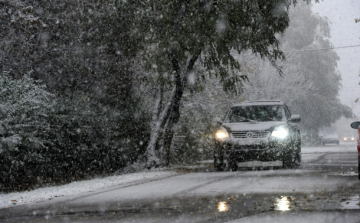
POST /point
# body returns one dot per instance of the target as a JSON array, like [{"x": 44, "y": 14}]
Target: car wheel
[
  {"x": 219, "y": 163},
  {"x": 233, "y": 165},
  {"x": 289, "y": 161},
  {"x": 292, "y": 159},
  {"x": 298, "y": 157}
]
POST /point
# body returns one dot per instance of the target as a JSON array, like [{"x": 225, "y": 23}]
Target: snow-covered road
[{"x": 311, "y": 188}]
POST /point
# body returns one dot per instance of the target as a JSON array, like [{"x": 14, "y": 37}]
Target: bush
[
  {"x": 24, "y": 109},
  {"x": 193, "y": 141},
  {"x": 48, "y": 140}
]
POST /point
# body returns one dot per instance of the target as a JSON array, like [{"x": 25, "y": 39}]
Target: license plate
[{"x": 251, "y": 141}]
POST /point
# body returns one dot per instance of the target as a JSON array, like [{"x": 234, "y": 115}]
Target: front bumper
[
  {"x": 260, "y": 152},
  {"x": 330, "y": 141}
]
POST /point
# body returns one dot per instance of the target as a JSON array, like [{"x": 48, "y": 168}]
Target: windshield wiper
[{"x": 248, "y": 120}]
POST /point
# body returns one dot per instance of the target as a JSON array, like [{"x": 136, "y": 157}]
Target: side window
[
  {"x": 228, "y": 115},
  {"x": 287, "y": 112},
  {"x": 226, "y": 119}
]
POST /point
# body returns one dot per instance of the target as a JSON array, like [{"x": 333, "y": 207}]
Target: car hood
[
  {"x": 252, "y": 126},
  {"x": 332, "y": 137}
]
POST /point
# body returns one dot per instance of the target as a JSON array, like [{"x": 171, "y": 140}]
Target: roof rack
[{"x": 260, "y": 102}]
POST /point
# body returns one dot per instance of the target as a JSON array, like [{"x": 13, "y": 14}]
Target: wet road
[{"x": 325, "y": 189}]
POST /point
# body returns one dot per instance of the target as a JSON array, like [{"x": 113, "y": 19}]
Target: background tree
[
  {"x": 310, "y": 82},
  {"x": 24, "y": 128},
  {"x": 173, "y": 36},
  {"x": 100, "y": 121},
  {"x": 73, "y": 47}
]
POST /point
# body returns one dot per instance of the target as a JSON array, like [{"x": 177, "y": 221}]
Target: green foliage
[
  {"x": 193, "y": 141},
  {"x": 94, "y": 56},
  {"x": 95, "y": 140},
  {"x": 172, "y": 37},
  {"x": 216, "y": 30},
  {"x": 47, "y": 140},
  {"x": 99, "y": 122},
  {"x": 77, "y": 56},
  {"x": 24, "y": 111}
]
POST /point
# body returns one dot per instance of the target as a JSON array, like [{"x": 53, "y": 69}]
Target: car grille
[
  {"x": 250, "y": 147},
  {"x": 250, "y": 134}
]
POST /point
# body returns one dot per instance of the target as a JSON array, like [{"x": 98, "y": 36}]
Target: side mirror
[
  {"x": 355, "y": 125},
  {"x": 295, "y": 118},
  {"x": 217, "y": 121}
]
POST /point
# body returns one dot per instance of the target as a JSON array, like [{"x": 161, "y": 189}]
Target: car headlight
[
  {"x": 221, "y": 134},
  {"x": 280, "y": 132}
]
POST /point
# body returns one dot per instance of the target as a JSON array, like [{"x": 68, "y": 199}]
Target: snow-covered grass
[
  {"x": 342, "y": 148},
  {"x": 78, "y": 187},
  {"x": 46, "y": 193},
  {"x": 351, "y": 173},
  {"x": 351, "y": 203}
]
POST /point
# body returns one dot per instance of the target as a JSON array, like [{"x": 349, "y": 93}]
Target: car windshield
[{"x": 255, "y": 113}]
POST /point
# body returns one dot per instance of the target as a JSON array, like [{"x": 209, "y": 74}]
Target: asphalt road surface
[{"x": 324, "y": 189}]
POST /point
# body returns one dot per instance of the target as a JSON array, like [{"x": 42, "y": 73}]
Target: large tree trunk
[
  {"x": 180, "y": 81},
  {"x": 165, "y": 122},
  {"x": 168, "y": 136},
  {"x": 158, "y": 122}
]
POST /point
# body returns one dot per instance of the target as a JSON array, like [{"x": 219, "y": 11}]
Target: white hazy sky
[{"x": 345, "y": 32}]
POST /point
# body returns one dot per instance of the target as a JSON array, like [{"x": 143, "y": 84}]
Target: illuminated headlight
[
  {"x": 221, "y": 134},
  {"x": 352, "y": 138},
  {"x": 280, "y": 132},
  {"x": 345, "y": 138}
]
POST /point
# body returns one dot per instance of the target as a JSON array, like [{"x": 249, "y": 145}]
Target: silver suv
[{"x": 257, "y": 131}]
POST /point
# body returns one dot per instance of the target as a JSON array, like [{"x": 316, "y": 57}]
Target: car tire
[
  {"x": 298, "y": 157},
  {"x": 233, "y": 165},
  {"x": 292, "y": 159},
  {"x": 219, "y": 164},
  {"x": 289, "y": 161}
]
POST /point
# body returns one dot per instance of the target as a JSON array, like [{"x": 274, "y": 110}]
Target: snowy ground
[
  {"x": 48, "y": 193},
  {"x": 251, "y": 182},
  {"x": 301, "y": 217},
  {"x": 342, "y": 148}
]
